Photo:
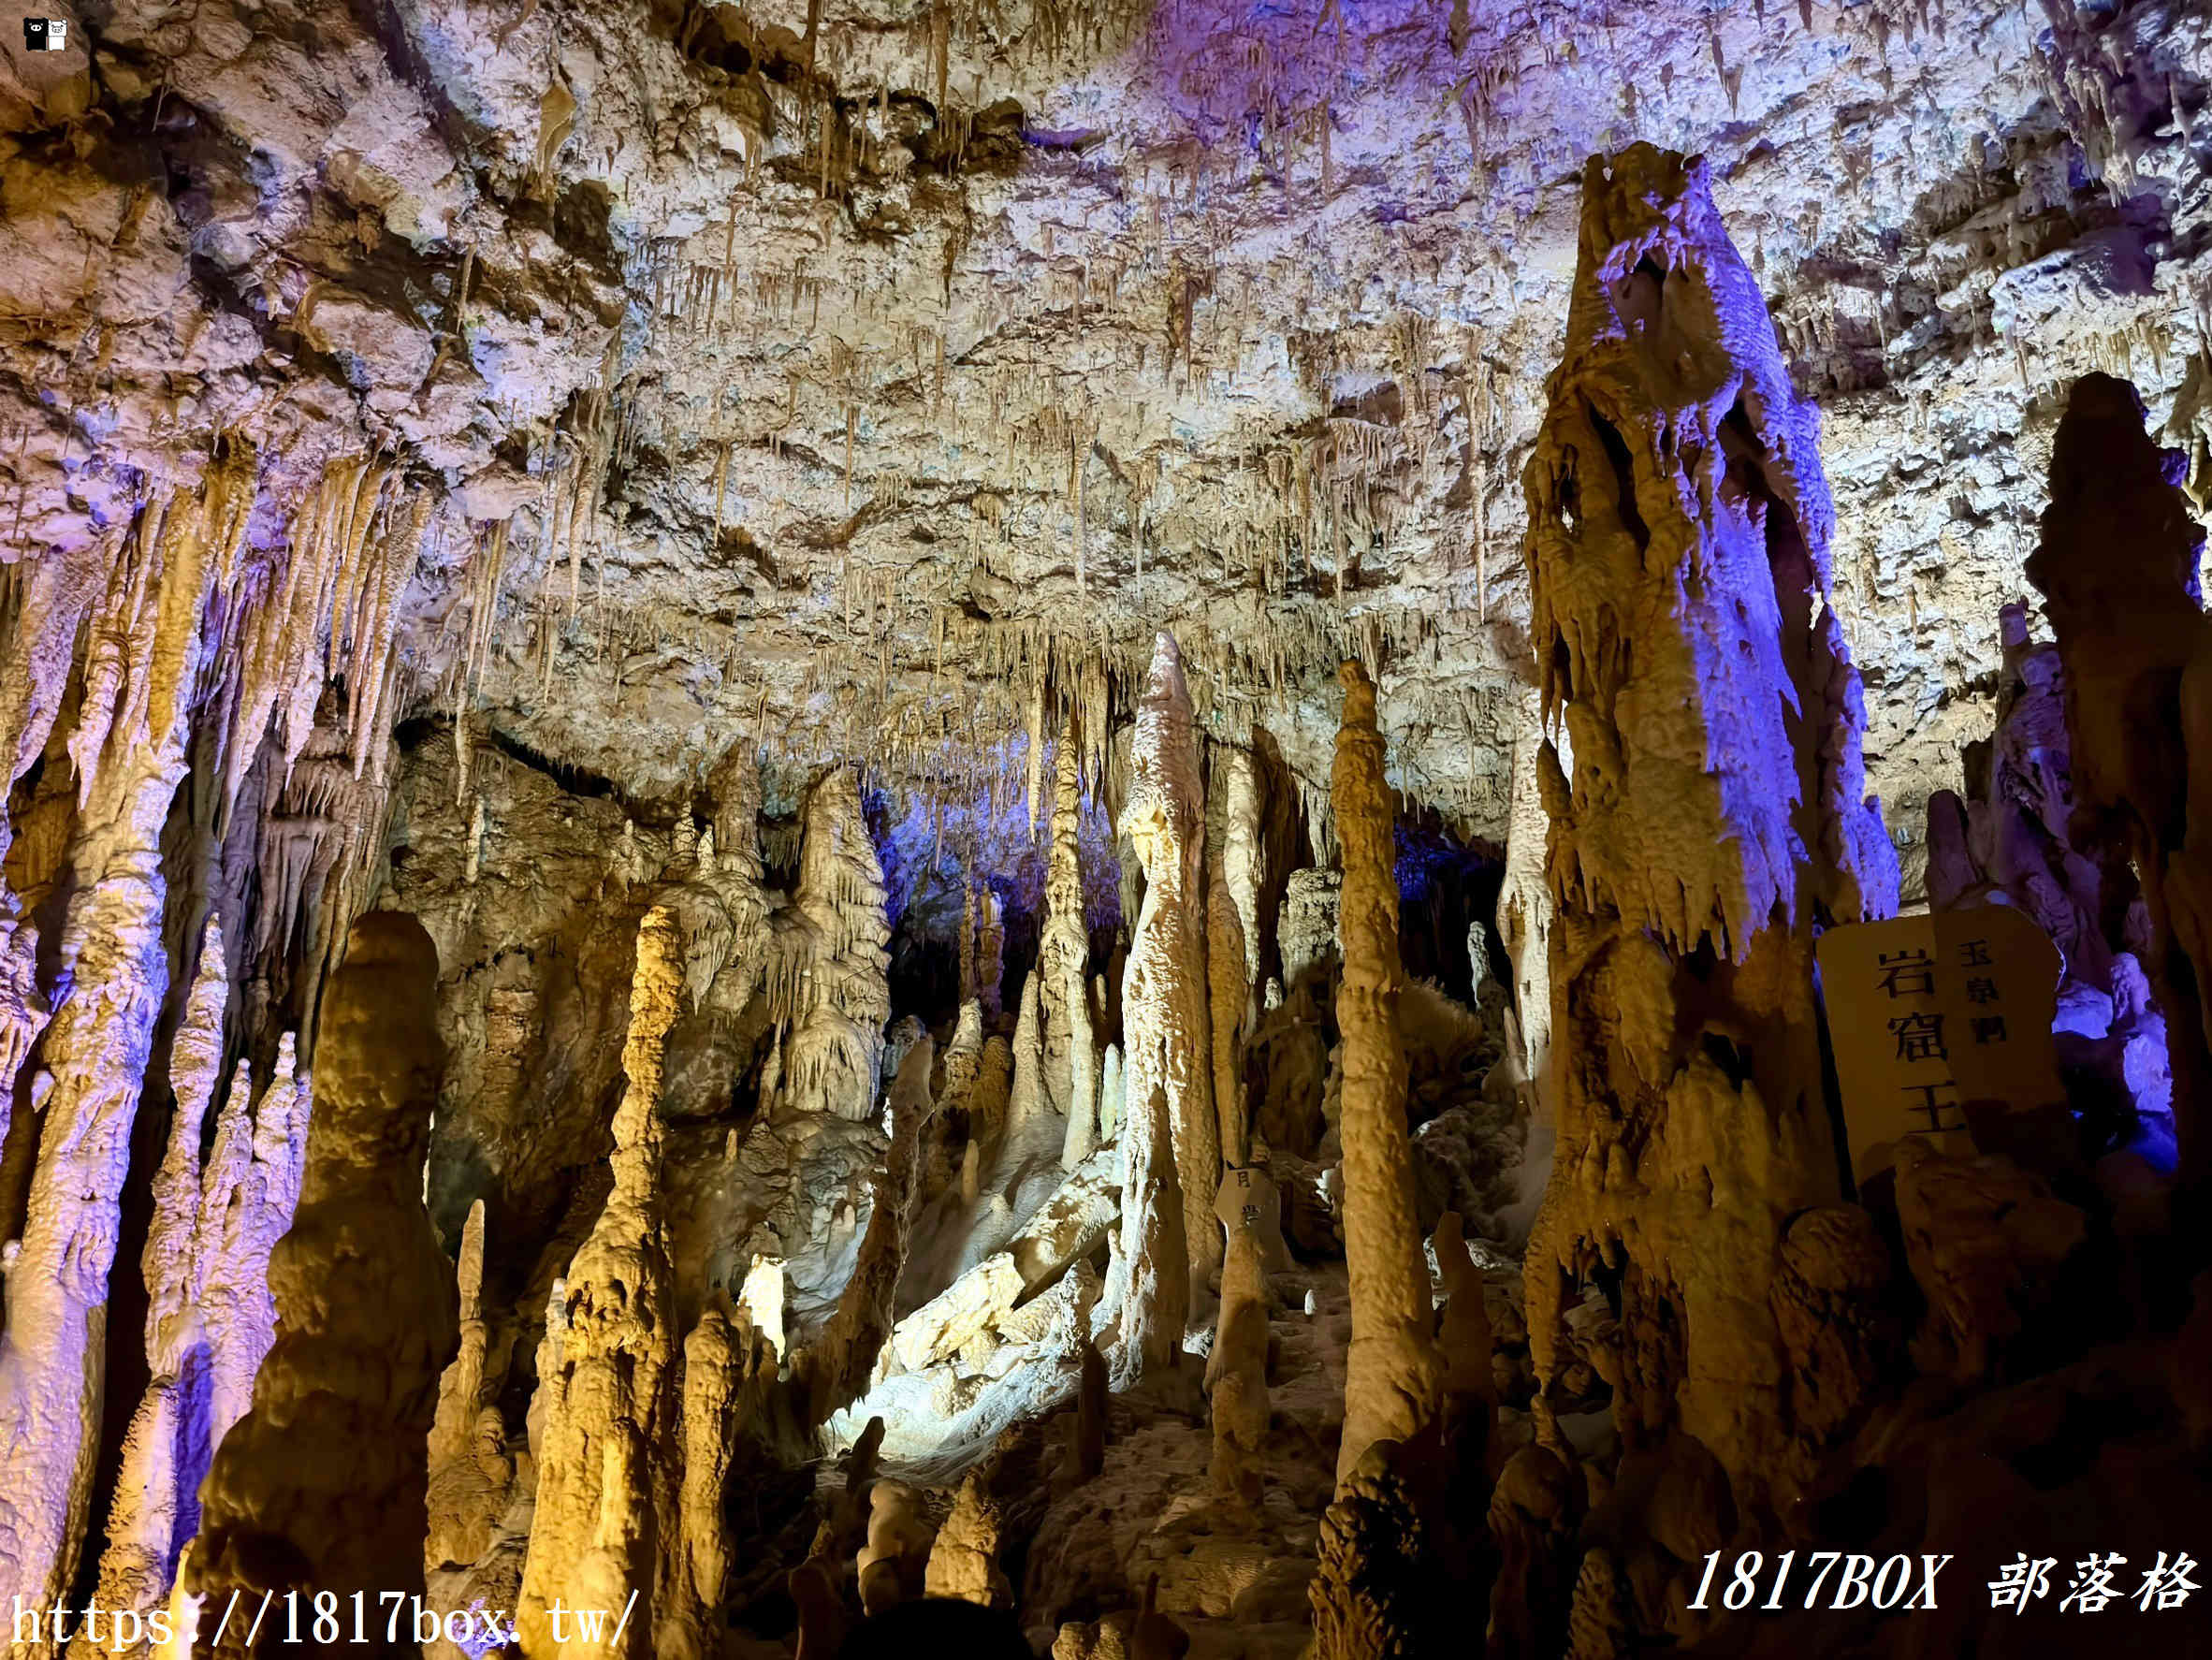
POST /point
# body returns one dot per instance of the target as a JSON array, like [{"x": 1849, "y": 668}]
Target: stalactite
[
  {"x": 322, "y": 1484},
  {"x": 1164, "y": 986},
  {"x": 1392, "y": 1373},
  {"x": 142, "y": 663},
  {"x": 607, "y": 1489},
  {"x": 1666, "y": 855}
]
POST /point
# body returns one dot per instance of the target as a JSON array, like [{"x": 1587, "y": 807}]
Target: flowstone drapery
[{"x": 1678, "y": 546}]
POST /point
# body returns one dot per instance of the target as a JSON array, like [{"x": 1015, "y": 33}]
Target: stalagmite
[
  {"x": 249, "y": 1191},
  {"x": 1393, "y": 1377},
  {"x": 963, "y": 1557},
  {"x": 142, "y": 670},
  {"x": 468, "y": 1479},
  {"x": 1715, "y": 816},
  {"x": 1063, "y": 964},
  {"x": 321, "y": 1486},
  {"x": 1306, "y": 929},
  {"x": 990, "y": 950},
  {"x": 1113, "y": 1094},
  {"x": 1236, "y": 1371},
  {"x": 1025, "y": 1102},
  {"x": 1164, "y": 986},
  {"x": 1524, "y": 919},
  {"x": 605, "y": 1482},
  {"x": 1229, "y": 999},
  {"x": 833, "y": 1371},
  {"x": 152, "y": 1514},
  {"x": 2119, "y": 561},
  {"x": 1148, "y": 1296},
  {"x": 714, "y": 1367},
  {"x": 1245, "y": 856},
  {"x": 843, "y": 1001}
]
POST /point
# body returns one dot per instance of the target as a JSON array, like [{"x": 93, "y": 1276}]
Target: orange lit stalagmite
[
  {"x": 1678, "y": 550},
  {"x": 1393, "y": 1377},
  {"x": 322, "y": 1485},
  {"x": 606, "y": 1524}
]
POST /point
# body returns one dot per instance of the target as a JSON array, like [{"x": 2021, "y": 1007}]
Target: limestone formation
[
  {"x": 1148, "y": 1293},
  {"x": 964, "y": 1556},
  {"x": 1394, "y": 1377},
  {"x": 838, "y": 999},
  {"x": 151, "y": 1519},
  {"x": 1236, "y": 1370},
  {"x": 1714, "y": 816},
  {"x": 536, "y": 469},
  {"x": 2117, "y": 563},
  {"x": 1164, "y": 987},
  {"x": 607, "y": 1485},
  {"x": 321, "y": 1486},
  {"x": 141, "y": 675},
  {"x": 834, "y": 1369},
  {"x": 714, "y": 1368},
  {"x": 1306, "y": 930},
  {"x": 1063, "y": 963},
  {"x": 470, "y": 1472},
  {"x": 1112, "y": 1092},
  {"x": 1027, "y": 1098}
]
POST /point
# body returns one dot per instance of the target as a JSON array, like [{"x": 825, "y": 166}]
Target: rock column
[
  {"x": 321, "y": 1485},
  {"x": 1164, "y": 986},
  {"x": 142, "y": 671},
  {"x": 1394, "y": 1377},
  {"x": 1679, "y": 554},
  {"x": 605, "y": 1489}
]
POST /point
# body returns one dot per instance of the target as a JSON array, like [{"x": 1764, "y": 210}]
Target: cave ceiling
[{"x": 830, "y": 374}]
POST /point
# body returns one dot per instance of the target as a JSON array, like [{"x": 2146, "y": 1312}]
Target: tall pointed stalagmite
[
  {"x": 840, "y": 1005},
  {"x": 1678, "y": 527},
  {"x": 2118, "y": 563},
  {"x": 142, "y": 663},
  {"x": 1164, "y": 986},
  {"x": 1063, "y": 961},
  {"x": 606, "y": 1488},
  {"x": 145, "y": 1529},
  {"x": 321, "y": 1485},
  {"x": 1394, "y": 1377}
]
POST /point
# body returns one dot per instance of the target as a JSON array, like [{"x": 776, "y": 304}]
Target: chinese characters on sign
[{"x": 1929, "y": 1012}]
